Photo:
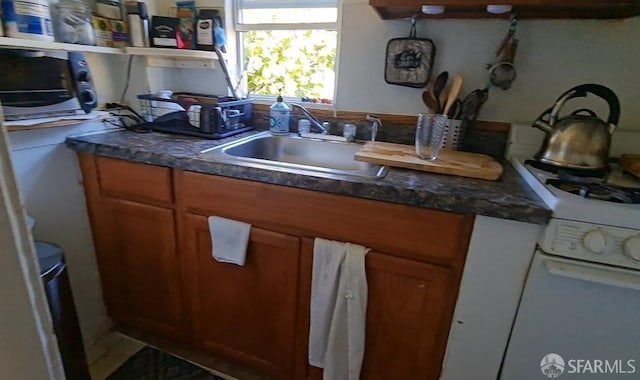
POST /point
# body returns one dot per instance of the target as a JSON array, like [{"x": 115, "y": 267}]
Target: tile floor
[
  {"x": 112, "y": 350},
  {"x": 109, "y": 353}
]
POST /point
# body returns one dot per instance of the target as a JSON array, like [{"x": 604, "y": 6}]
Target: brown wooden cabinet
[
  {"x": 563, "y": 9},
  {"x": 136, "y": 251},
  {"x": 412, "y": 285},
  {"x": 154, "y": 252},
  {"x": 140, "y": 255},
  {"x": 245, "y": 312},
  {"x": 408, "y": 317}
]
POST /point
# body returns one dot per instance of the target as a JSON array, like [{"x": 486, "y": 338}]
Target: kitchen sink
[{"x": 308, "y": 156}]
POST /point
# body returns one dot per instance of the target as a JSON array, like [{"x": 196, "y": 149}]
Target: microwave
[{"x": 37, "y": 84}]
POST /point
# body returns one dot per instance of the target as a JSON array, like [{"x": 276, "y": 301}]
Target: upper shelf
[
  {"x": 180, "y": 58},
  {"x": 171, "y": 53},
  {"x": 155, "y": 56},
  {"x": 540, "y": 9},
  {"x": 19, "y": 43}
]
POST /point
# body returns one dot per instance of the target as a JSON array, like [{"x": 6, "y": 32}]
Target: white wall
[
  {"x": 490, "y": 290},
  {"x": 27, "y": 343},
  {"x": 110, "y": 73},
  {"x": 552, "y": 57},
  {"x": 50, "y": 183}
]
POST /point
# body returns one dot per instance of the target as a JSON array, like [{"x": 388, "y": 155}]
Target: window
[{"x": 288, "y": 47}]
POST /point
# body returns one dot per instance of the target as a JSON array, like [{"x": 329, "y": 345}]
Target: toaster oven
[{"x": 37, "y": 84}]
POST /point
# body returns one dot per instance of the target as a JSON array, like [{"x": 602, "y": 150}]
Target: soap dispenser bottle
[{"x": 279, "y": 115}]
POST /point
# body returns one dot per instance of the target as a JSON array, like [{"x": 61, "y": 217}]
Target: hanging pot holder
[{"x": 409, "y": 60}]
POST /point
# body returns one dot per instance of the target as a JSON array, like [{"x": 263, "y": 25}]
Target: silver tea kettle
[{"x": 580, "y": 140}]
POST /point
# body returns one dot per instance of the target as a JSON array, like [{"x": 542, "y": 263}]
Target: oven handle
[{"x": 618, "y": 277}]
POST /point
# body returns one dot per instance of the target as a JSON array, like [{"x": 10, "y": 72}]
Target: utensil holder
[{"x": 454, "y": 134}]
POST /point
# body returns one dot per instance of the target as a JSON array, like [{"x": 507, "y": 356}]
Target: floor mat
[{"x": 152, "y": 364}]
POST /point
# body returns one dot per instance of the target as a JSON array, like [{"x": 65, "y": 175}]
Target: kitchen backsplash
[{"x": 478, "y": 139}]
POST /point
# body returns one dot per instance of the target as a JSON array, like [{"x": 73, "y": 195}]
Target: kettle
[{"x": 580, "y": 140}]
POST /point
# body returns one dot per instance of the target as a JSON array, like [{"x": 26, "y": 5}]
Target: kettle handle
[
  {"x": 544, "y": 121},
  {"x": 585, "y": 110},
  {"x": 596, "y": 89}
]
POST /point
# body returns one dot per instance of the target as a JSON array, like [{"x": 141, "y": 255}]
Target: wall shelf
[
  {"x": 58, "y": 121},
  {"x": 181, "y": 58},
  {"x": 171, "y": 53},
  {"x": 19, "y": 43},
  {"x": 533, "y": 9},
  {"x": 156, "y": 57}
]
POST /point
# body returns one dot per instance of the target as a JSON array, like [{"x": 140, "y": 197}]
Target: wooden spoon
[
  {"x": 439, "y": 85},
  {"x": 429, "y": 99},
  {"x": 453, "y": 93}
]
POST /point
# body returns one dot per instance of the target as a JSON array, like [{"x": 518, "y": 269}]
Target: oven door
[
  {"x": 34, "y": 79},
  {"x": 35, "y": 84},
  {"x": 582, "y": 312}
]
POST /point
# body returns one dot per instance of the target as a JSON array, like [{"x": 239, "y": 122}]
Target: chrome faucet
[
  {"x": 375, "y": 123},
  {"x": 312, "y": 118}
]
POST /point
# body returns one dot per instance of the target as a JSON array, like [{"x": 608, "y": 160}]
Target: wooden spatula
[{"x": 453, "y": 93}]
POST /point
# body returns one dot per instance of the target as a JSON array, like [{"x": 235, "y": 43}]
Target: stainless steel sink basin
[{"x": 323, "y": 158}]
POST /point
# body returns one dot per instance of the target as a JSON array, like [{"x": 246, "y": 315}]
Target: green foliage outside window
[{"x": 296, "y": 63}]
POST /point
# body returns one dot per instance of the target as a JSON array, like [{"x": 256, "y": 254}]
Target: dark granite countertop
[{"x": 508, "y": 198}]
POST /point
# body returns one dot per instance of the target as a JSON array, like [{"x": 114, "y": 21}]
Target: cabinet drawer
[
  {"x": 416, "y": 233},
  {"x": 131, "y": 180}
]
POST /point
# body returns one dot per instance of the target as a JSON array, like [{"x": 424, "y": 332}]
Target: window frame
[{"x": 239, "y": 28}]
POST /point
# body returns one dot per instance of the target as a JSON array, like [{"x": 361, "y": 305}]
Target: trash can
[{"x": 53, "y": 272}]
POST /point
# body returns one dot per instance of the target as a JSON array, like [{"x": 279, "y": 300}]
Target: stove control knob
[
  {"x": 632, "y": 247},
  {"x": 597, "y": 241}
]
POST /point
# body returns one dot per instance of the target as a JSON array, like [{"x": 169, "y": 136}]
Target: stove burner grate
[
  {"x": 596, "y": 189},
  {"x": 567, "y": 171}
]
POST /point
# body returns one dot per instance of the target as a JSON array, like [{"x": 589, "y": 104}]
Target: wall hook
[
  {"x": 513, "y": 21},
  {"x": 412, "y": 31}
]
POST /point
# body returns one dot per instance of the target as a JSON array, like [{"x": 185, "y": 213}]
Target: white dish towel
[
  {"x": 338, "y": 309},
  {"x": 229, "y": 240}
]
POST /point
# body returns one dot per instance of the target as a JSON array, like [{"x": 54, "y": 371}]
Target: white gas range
[
  {"x": 580, "y": 308},
  {"x": 590, "y": 219}
]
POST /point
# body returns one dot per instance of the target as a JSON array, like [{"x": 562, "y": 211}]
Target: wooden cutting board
[
  {"x": 631, "y": 163},
  {"x": 452, "y": 162}
]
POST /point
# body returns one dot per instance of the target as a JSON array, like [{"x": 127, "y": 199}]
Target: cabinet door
[
  {"x": 409, "y": 312},
  {"x": 245, "y": 312},
  {"x": 136, "y": 250},
  {"x": 408, "y": 318}
]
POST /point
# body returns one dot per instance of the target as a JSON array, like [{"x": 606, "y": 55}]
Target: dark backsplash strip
[
  {"x": 487, "y": 142},
  {"x": 490, "y": 141}
]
